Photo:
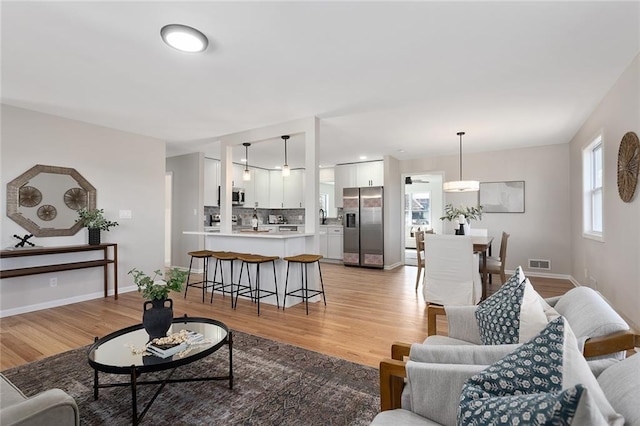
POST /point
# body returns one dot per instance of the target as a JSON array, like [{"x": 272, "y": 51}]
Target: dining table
[{"x": 482, "y": 244}]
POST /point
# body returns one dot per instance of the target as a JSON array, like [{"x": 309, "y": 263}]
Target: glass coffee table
[{"x": 115, "y": 354}]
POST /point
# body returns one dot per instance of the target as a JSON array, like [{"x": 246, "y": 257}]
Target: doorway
[{"x": 422, "y": 210}]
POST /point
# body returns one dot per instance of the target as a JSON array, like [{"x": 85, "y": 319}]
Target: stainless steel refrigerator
[{"x": 363, "y": 226}]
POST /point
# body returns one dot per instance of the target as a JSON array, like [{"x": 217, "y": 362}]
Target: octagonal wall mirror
[{"x": 45, "y": 200}]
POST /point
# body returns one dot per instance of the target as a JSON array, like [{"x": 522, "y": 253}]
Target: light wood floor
[{"x": 366, "y": 311}]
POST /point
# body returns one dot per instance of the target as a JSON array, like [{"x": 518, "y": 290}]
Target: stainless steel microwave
[{"x": 237, "y": 196}]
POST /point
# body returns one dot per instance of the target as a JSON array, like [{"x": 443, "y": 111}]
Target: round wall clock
[{"x": 628, "y": 166}]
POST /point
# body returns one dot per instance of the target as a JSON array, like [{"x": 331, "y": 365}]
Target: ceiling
[{"x": 385, "y": 78}]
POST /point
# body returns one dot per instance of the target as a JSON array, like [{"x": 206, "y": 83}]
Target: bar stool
[
  {"x": 304, "y": 260},
  {"x": 220, "y": 257},
  {"x": 205, "y": 255},
  {"x": 256, "y": 259}
]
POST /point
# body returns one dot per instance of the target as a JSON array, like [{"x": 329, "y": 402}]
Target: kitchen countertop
[{"x": 272, "y": 235}]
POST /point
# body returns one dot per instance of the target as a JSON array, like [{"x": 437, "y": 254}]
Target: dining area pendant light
[
  {"x": 285, "y": 168},
  {"x": 461, "y": 185},
  {"x": 246, "y": 175}
]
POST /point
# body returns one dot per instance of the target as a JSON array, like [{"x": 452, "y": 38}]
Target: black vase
[
  {"x": 460, "y": 231},
  {"x": 157, "y": 317},
  {"x": 94, "y": 236}
]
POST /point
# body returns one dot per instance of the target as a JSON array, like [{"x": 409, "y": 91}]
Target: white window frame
[{"x": 593, "y": 189}]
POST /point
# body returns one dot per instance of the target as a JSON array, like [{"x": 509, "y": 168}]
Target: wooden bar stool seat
[
  {"x": 204, "y": 284},
  {"x": 259, "y": 293},
  {"x": 221, "y": 257},
  {"x": 304, "y": 292}
]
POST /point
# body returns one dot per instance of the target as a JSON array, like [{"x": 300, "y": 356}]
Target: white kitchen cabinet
[
  {"x": 275, "y": 189},
  {"x": 345, "y": 177},
  {"x": 323, "y": 241},
  {"x": 238, "y": 171},
  {"x": 293, "y": 190},
  {"x": 260, "y": 180},
  {"x": 357, "y": 175},
  {"x": 211, "y": 181},
  {"x": 286, "y": 192},
  {"x": 334, "y": 242},
  {"x": 370, "y": 173}
]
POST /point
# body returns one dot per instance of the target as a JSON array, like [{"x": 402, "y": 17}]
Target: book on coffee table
[
  {"x": 170, "y": 349},
  {"x": 165, "y": 351}
]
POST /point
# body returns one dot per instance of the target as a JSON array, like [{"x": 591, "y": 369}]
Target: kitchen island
[{"x": 282, "y": 244}]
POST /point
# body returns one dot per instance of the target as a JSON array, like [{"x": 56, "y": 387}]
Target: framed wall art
[{"x": 502, "y": 197}]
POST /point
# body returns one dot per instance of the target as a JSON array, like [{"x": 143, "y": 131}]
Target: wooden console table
[{"x": 39, "y": 251}]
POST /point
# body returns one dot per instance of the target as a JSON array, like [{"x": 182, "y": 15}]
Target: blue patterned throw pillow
[
  {"x": 544, "y": 381},
  {"x": 513, "y": 314}
]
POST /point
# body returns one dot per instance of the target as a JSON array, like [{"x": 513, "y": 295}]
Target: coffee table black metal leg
[
  {"x": 95, "y": 378},
  {"x": 230, "y": 360},
  {"x": 134, "y": 398}
]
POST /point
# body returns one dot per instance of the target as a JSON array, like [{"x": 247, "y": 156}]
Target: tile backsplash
[{"x": 244, "y": 214}]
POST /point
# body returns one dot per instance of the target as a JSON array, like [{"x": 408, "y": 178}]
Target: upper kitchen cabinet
[
  {"x": 293, "y": 190},
  {"x": 211, "y": 181},
  {"x": 275, "y": 189},
  {"x": 238, "y": 171},
  {"x": 260, "y": 179},
  {"x": 286, "y": 192},
  {"x": 356, "y": 175},
  {"x": 370, "y": 173}
]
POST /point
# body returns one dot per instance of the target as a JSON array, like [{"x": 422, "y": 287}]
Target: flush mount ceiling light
[
  {"x": 285, "y": 167},
  {"x": 246, "y": 175},
  {"x": 461, "y": 185},
  {"x": 184, "y": 38}
]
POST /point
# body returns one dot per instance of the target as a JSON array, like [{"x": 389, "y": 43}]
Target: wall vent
[{"x": 539, "y": 264}]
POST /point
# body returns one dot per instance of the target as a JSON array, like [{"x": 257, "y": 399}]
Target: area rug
[{"x": 274, "y": 384}]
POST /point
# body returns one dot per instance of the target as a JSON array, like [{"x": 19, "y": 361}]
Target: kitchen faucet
[{"x": 323, "y": 215}]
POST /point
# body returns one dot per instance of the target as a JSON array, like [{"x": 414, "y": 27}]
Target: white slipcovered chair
[
  {"x": 51, "y": 407},
  {"x": 451, "y": 270}
]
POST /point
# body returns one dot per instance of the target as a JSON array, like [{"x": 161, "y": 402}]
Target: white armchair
[{"x": 51, "y": 407}]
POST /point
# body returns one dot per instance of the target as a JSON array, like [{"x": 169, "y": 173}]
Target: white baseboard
[
  {"x": 393, "y": 265},
  {"x": 62, "y": 302}
]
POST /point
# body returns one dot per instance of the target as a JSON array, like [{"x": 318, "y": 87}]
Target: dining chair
[
  {"x": 451, "y": 274},
  {"x": 420, "y": 253},
  {"x": 495, "y": 265}
]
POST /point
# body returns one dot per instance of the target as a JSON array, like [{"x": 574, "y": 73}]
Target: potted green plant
[
  {"x": 95, "y": 222},
  {"x": 158, "y": 308},
  {"x": 463, "y": 215}
]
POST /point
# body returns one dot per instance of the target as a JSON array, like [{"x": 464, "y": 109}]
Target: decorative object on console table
[
  {"x": 95, "y": 222},
  {"x": 462, "y": 215},
  {"x": 157, "y": 316}
]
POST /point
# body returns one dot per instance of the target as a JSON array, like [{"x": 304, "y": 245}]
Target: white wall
[
  {"x": 612, "y": 266},
  {"x": 543, "y": 231},
  {"x": 187, "y": 206},
  {"x": 128, "y": 173},
  {"x": 393, "y": 214}
]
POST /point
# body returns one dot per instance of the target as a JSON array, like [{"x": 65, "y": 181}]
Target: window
[
  {"x": 592, "y": 166},
  {"x": 417, "y": 208}
]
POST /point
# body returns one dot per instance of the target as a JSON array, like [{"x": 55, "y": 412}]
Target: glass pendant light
[
  {"x": 461, "y": 185},
  {"x": 246, "y": 175},
  {"x": 285, "y": 168}
]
